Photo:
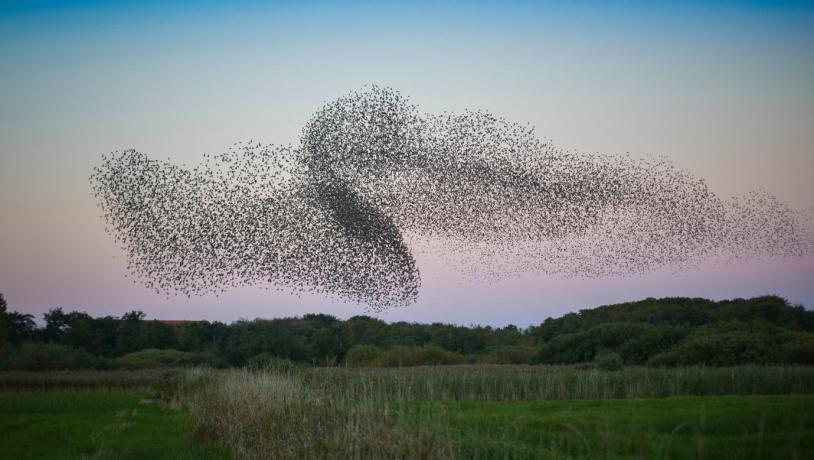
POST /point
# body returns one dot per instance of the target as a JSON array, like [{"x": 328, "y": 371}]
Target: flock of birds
[{"x": 373, "y": 179}]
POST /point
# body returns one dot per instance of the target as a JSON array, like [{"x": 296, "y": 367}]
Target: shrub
[
  {"x": 799, "y": 349},
  {"x": 49, "y": 357},
  {"x": 729, "y": 349},
  {"x": 572, "y": 348},
  {"x": 726, "y": 344},
  {"x": 509, "y": 354},
  {"x": 608, "y": 360},
  {"x": 664, "y": 359},
  {"x": 656, "y": 339},
  {"x": 152, "y": 358},
  {"x": 426, "y": 355},
  {"x": 364, "y": 356}
]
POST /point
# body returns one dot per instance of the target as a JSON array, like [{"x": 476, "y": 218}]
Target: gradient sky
[{"x": 724, "y": 89}]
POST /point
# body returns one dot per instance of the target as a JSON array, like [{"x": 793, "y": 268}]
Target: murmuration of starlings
[{"x": 373, "y": 180}]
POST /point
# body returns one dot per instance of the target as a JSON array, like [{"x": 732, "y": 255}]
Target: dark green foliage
[
  {"x": 459, "y": 339},
  {"x": 659, "y": 332},
  {"x": 653, "y": 339},
  {"x": 21, "y": 327},
  {"x": 278, "y": 338},
  {"x": 680, "y": 310},
  {"x": 78, "y": 329},
  {"x": 364, "y": 356},
  {"x": 608, "y": 360},
  {"x": 681, "y": 331},
  {"x": 4, "y": 322},
  {"x": 135, "y": 334},
  {"x": 799, "y": 348},
  {"x": 49, "y": 357},
  {"x": 401, "y": 356},
  {"x": 425, "y": 355},
  {"x": 202, "y": 336},
  {"x": 152, "y": 358},
  {"x": 509, "y": 354},
  {"x": 739, "y": 342}
]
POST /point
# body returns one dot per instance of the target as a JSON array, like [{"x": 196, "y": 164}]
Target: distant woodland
[{"x": 650, "y": 332}]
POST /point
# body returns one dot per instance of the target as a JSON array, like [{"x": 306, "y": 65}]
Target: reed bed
[
  {"x": 84, "y": 381},
  {"x": 263, "y": 414},
  {"x": 529, "y": 383},
  {"x": 393, "y": 413}
]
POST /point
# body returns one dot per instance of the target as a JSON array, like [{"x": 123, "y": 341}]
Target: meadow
[
  {"x": 104, "y": 425},
  {"x": 670, "y": 378},
  {"x": 444, "y": 412}
]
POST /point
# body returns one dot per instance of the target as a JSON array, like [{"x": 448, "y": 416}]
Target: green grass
[
  {"x": 95, "y": 425},
  {"x": 732, "y": 427},
  {"x": 471, "y": 412}
]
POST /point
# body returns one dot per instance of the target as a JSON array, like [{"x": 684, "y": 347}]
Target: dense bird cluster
[{"x": 374, "y": 178}]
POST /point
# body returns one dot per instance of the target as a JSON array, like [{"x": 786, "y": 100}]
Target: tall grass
[
  {"x": 82, "y": 381},
  {"x": 514, "y": 383},
  {"x": 352, "y": 413},
  {"x": 268, "y": 414}
]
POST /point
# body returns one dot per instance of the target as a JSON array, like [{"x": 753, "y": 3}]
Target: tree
[
  {"x": 325, "y": 346},
  {"x": 4, "y": 323},
  {"x": 158, "y": 335},
  {"x": 21, "y": 327},
  {"x": 79, "y": 331},
  {"x": 56, "y": 323},
  {"x": 129, "y": 335}
]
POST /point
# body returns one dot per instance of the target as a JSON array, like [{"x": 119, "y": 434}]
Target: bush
[
  {"x": 427, "y": 355},
  {"x": 656, "y": 339},
  {"x": 730, "y": 349},
  {"x": 608, "y": 360},
  {"x": 49, "y": 357},
  {"x": 364, "y": 356},
  {"x": 401, "y": 356},
  {"x": 509, "y": 354},
  {"x": 799, "y": 349},
  {"x": 152, "y": 358},
  {"x": 729, "y": 343},
  {"x": 573, "y": 348}
]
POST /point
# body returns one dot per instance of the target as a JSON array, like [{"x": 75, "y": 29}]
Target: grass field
[
  {"x": 489, "y": 412},
  {"x": 95, "y": 425},
  {"x": 678, "y": 427}
]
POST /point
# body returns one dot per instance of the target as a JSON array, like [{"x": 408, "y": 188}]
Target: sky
[{"x": 725, "y": 90}]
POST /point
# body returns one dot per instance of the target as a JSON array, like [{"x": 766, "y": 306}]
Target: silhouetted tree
[
  {"x": 21, "y": 327},
  {"x": 4, "y": 323},
  {"x": 658, "y": 332},
  {"x": 56, "y": 323},
  {"x": 129, "y": 335}
]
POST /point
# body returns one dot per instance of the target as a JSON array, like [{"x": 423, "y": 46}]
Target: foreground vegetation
[
  {"x": 438, "y": 412},
  {"x": 539, "y": 383},
  {"x": 653, "y": 332},
  {"x": 142, "y": 381},
  {"x": 95, "y": 425},
  {"x": 677, "y": 427},
  {"x": 668, "y": 378},
  {"x": 499, "y": 412}
]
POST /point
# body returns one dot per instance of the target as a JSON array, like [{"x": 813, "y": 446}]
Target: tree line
[{"x": 657, "y": 332}]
